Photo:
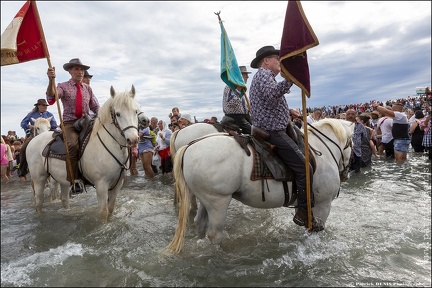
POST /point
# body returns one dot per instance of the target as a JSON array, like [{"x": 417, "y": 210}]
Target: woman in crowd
[
  {"x": 4, "y": 160},
  {"x": 425, "y": 125},
  {"x": 163, "y": 146},
  {"x": 146, "y": 150},
  {"x": 9, "y": 154}
]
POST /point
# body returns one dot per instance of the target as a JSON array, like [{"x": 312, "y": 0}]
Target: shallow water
[{"x": 378, "y": 234}]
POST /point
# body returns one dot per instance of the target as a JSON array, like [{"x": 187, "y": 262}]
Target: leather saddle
[
  {"x": 56, "y": 148},
  {"x": 267, "y": 163}
]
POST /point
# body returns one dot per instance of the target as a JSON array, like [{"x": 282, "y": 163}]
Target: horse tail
[
  {"x": 183, "y": 198},
  {"x": 172, "y": 146}
]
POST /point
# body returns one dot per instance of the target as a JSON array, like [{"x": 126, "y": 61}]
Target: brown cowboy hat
[
  {"x": 87, "y": 75},
  {"x": 263, "y": 52},
  {"x": 41, "y": 102},
  {"x": 243, "y": 69},
  {"x": 74, "y": 62}
]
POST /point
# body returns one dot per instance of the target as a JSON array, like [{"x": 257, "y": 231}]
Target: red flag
[
  {"x": 23, "y": 40},
  {"x": 297, "y": 37}
]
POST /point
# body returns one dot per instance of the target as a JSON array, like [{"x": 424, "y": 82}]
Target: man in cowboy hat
[
  {"x": 270, "y": 112},
  {"x": 235, "y": 106},
  {"x": 40, "y": 110},
  {"x": 78, "y": 99},
  {"x": 87, "y": 77}
]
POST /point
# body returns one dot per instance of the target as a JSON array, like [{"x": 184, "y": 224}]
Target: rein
[
  {"x": 122, "y": 165},
  {"x": 348, "y": 144}
]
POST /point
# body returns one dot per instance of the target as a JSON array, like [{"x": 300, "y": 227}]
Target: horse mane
[
  {"x": 119, "y": 101},
  {"x": 340, "y": 127}
]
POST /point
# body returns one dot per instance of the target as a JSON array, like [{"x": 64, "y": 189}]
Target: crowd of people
[{"x": 382, "y": 129}]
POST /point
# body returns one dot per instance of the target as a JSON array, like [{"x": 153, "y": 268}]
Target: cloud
[{"x": 170, "y": 51}]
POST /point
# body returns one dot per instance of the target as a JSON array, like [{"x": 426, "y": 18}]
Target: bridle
[
  {"x": 115, "y": 123},
  {"x": 348, "y": 144}
]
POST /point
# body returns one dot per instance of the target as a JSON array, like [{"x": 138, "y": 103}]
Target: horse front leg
[
  {"x": 112, "y": 196},
  {"x": 38, "y": 192},
  {"x": 102, "y": 196},
  {"x": 64, "y": 195}
]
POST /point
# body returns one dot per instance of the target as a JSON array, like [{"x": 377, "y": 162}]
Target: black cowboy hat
[
  {"x": 86, "y": 74},
  {"x": 74, "y": 62},
  {"x": 41, "y": 102},
  {"x": 263, "y": 52}
]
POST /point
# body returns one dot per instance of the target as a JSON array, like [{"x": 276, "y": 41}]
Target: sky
[{"x": 170, "y": 52}]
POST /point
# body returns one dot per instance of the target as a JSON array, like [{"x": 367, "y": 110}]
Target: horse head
[
  {"x": 123, "y": 110},
  {"x": 41, "y": 125},
  {"x": 346, "y": 149}
]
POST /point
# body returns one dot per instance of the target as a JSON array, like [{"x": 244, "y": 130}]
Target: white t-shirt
[{"x": 385, "y": 124}]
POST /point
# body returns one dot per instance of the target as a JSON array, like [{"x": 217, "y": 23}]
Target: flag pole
[
  {"x": 45, "y": 47},
  {"x": 306, "y": 144}
]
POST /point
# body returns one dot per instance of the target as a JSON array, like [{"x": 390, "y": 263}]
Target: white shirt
[{"x": 385, "y": 124}]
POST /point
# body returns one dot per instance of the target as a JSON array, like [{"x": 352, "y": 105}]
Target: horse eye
[{"x": 117, "y": 114}]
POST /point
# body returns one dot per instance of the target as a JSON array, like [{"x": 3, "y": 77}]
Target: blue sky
[{"x": 170, "y": 51}]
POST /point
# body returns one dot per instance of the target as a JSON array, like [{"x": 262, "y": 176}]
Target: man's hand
[
  {"x": 51, "y": 73},
  {"x": 294, "y": 113}
]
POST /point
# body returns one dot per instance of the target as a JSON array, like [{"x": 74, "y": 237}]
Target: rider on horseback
[
  {"x": 40, "y": 110},
  {"x": 269, "y": 110},
  {"x": 235, "y": 105},
  {"x": 78, "y": 99}
]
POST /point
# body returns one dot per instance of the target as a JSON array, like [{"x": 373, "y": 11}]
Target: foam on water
[{"x": 21, "y": 272}]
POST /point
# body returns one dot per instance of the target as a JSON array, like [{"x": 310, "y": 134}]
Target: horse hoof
[{"x": 317, "y": 225}]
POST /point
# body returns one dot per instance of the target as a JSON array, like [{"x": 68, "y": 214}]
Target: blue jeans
[{"x": 401, "y": 145}]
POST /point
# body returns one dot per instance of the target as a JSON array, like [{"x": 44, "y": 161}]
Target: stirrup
[{"x": 77, "y": 187}]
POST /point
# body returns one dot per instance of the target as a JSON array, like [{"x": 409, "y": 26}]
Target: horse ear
[
  {"x": 112, "y": 91},
  {"x": 49, "y": 118},
  {"x": 133, "y": 91},
  {"x": 34, "y": 120}
]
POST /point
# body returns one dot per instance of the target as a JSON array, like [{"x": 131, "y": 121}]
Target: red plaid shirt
[{"x": 67, "y": 93}]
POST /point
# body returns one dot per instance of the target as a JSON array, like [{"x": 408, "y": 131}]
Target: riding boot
[
  {"x": 301, "y": 219},
  {"x": 301, "y": 216},
  {"x": 75, "y": 187}
]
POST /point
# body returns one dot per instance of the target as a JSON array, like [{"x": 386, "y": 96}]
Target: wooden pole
[
  {"x": 306, "y": 144},
  {"x": 45, "y": 46}
]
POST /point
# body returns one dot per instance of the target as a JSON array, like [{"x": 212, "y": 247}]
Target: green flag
[{"x": 230, "y": 71}]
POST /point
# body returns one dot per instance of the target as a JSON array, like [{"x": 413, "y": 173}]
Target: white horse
[
  {"x": 185, "y": 135},
  {"x": 104, "y": 160},
  {"x": 42, "y": 125},
  {"x": 215, "y": 175}
]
